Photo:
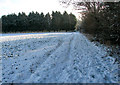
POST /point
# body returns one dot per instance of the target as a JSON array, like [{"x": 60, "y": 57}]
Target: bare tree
[{"x": 84, "y": 6}]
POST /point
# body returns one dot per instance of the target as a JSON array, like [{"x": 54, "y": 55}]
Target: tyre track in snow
[
  {"x": 64, "y": 75},
  {"x": 53, "y": 65},
  {"x": 46, "y": 55}
]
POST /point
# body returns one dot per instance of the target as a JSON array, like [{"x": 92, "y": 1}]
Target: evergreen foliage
[{"x": 38, "y": 22}]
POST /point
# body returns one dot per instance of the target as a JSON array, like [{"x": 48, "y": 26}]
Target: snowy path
[{"x": 55, "y": 58}]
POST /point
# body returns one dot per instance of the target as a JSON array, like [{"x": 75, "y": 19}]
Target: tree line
[{"x": 35, "y": 21}]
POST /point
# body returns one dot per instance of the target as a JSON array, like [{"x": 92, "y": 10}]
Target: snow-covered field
[{"x": 55, "y": 58}]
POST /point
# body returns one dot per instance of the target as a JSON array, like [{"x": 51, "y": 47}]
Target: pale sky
[{"x": 45, "y": 6}]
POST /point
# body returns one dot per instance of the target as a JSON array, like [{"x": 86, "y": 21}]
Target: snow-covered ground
[{"x": 55, "y": 58}]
